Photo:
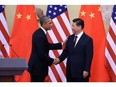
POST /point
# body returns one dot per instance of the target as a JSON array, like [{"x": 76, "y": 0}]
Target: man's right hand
[{"x": 56, "y": 61}]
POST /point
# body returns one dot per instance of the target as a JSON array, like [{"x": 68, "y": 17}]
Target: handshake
[{"x": 56, "y": 61}]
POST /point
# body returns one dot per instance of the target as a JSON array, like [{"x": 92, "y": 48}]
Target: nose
[{"x": 72, "y": 28}]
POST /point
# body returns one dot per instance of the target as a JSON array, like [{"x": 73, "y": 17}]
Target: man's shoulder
[
  {"x": 38, "y": 33},
  {"x": 87, "y": 36},
  {"x": 39, "y": 30},
  {"x": 71, "y": 36}
]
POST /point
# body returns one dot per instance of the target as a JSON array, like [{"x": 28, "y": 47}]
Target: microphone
[{"x": 14, "y": 51}]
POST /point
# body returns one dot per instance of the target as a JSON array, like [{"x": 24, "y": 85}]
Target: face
[
  {"x": 76, "y": 29},
  {"x": 48, "y": 24},
  {"x": 39, "y": 12}
]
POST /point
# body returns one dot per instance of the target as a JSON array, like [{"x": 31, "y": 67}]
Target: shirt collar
[
  {"x": 43, "y": 30},
  {"x": 80, "y": 34}
]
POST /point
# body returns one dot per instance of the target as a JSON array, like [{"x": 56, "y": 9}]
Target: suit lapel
[
  {"x": 72, "y": 40},
  {"x": 80, "y": 41},
  {"x": 42, "y": 32}
]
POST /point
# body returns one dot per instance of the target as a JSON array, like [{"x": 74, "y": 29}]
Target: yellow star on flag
[
  {"x": 19, "y": 16},
  {"x": 92, "y": 15},
  {"x": 83, "y": 13},
  {"x": 28, "y": 17}
]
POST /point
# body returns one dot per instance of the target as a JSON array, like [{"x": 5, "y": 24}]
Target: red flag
[
  {"x": 25, "y": 23},
  {"x": 110, "y": 51},
  {"x": 94, "y": 27}
]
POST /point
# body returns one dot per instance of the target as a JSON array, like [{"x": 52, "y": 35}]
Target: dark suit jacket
[
  {"x": 79, "y": 58},
  {"x": 39, "y": 59}
]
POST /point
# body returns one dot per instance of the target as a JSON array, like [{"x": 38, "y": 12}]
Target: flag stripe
[
  {"x": 4, "y": 42},
  {"x": 59, "y": 28},
  {"x": 112, "y": 35},
  {"x": 54, "y": 39},
  {"x": 58, "y": 68},
  {"x": 113, "y": 26},
  {"x": 48, "y": 78},
  {"x": 110, "y": 71},
  {"x": 111, "y": 52},
  {"x": 3, "y": 21},
  {"x": 54, "y": 69},
  {"x": 51, "y": 75},
  {"x": 4, "y": 52},
  {"x": 51, "y": 37},
  {"x": 111, "y": 42},
  {"x": 65, "y": 18},
  {"x": 58, "y": 78},
  {"x": 61, "y": 64},
  {"x": 6, "y": 36},
  {"x": 56, "y": 53},
  {"x": 55, "y": 31},
  {"x": 68, "y": 19},
  {"x": 63, "y": 26},
  {"x": 111, "y": 62}
]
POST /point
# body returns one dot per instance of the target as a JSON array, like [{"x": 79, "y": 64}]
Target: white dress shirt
[
  {"x": 78, "y": 37},
  {"x": 43, "y": 30}
]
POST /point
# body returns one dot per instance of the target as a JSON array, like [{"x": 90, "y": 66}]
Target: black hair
[
  {"x": 79, "y": 22},
  {"x": 43, "y": 19}
]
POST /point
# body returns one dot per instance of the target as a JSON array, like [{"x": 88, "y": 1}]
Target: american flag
[
  {"x": 60, "y": 31},
  {"x": 110, "y": 51},
  {"x": 4, "y": 34}
]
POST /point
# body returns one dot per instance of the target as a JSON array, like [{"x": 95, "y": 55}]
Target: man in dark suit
[
  {"x": 79, "y": 53},
  {"x": 39, "y": 59}
]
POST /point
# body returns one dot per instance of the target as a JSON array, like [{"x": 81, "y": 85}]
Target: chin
[{"x": 73, "y": 32}]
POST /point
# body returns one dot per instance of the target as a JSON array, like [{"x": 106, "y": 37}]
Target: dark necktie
[{"x": 74, "y": 42}]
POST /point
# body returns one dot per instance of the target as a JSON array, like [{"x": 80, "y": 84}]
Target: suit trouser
[
  {"x": 73, "y": 79},
  {"x": 35, "y": 78}
]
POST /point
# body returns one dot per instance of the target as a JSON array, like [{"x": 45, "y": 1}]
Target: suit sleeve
[
  {"x": 40, "y": 44},
  {"x": 89, "y": 55},
  {"x": 55, "y": 46},
  {"x": 64, "y": 54}
]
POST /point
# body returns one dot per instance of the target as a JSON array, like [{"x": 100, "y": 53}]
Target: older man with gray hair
[{"x": 39, "y": 13}]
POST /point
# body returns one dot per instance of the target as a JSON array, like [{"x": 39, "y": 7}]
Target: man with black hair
[{"x": 79, "y": 53}]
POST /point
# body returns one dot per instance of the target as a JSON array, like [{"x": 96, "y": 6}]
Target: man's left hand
[{"x": 85, "y": 74}]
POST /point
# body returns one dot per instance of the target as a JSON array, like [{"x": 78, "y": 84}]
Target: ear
[{"x": 44, "y": 24}]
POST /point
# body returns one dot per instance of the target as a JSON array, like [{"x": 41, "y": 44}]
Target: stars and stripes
[
  {"x": 110, "y": 51},
  {"x": 4, "y": 34},
  {"x": 60, "y": 31}
]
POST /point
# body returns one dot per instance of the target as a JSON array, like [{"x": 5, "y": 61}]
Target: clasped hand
[{"x": 56, "y": 61}]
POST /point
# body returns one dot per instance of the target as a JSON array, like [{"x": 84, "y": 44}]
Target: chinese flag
[
  {"x": 94, "y": 27},
  {"x": 25, "y": 23}
]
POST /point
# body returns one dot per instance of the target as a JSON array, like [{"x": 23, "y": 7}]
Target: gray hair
[
  {"x": 39, "y": 12},
  {"x": 43, "y": 19}
]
